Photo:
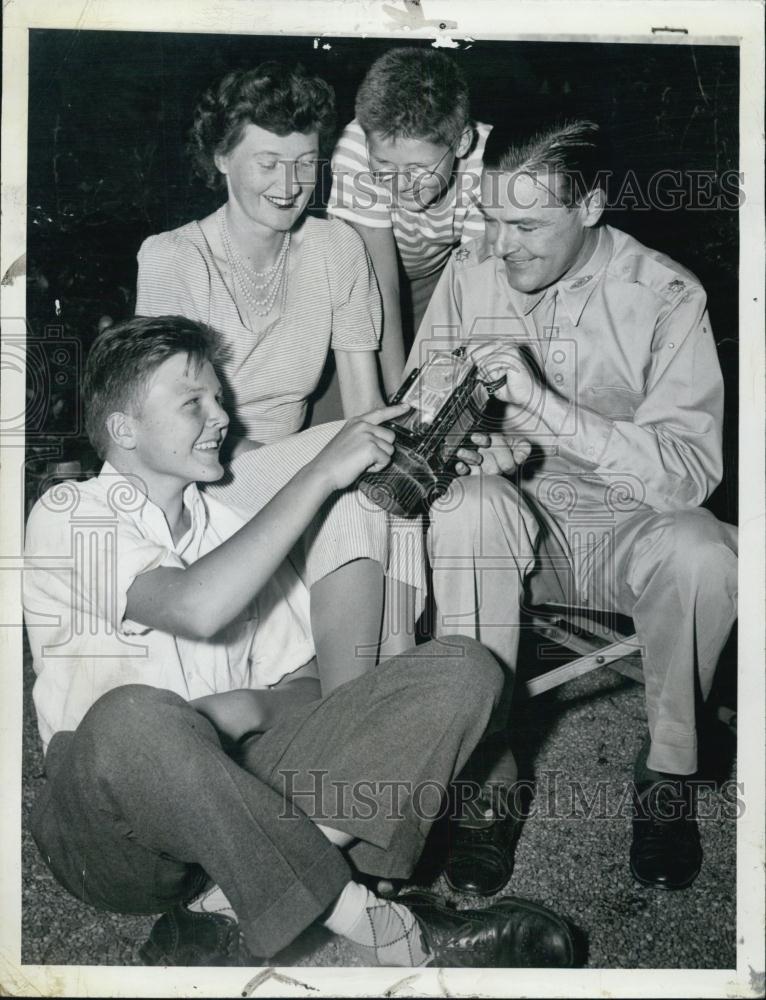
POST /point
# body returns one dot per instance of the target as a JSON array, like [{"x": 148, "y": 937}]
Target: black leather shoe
[
  {"x": 666, "y": 850},
  {"x": 182, "y": 937},
  {"x": 513, "y": 933},
  {"x": 482, "y": 848}
]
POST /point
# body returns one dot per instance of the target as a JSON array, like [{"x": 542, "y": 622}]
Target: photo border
[{"x": 708, "y": 22}]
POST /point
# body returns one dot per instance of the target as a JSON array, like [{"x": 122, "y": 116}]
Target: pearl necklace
[{"x": 247, "y": 277}]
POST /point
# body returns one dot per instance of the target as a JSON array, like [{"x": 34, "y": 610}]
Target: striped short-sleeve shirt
[{"x": 424, "y": 239}]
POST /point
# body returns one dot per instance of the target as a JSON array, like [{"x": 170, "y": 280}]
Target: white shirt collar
[{"x": 126, "y": 494}]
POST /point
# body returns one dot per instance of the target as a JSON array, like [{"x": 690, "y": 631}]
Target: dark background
[{"x": 109, "y": 113}]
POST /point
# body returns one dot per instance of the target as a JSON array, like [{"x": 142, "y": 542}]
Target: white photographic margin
[{"x": 731, "y": 22}]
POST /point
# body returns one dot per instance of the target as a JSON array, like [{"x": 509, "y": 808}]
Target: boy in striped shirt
[{"x": 406, "y": 174}]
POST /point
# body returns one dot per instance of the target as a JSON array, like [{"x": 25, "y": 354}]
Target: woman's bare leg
[
  {"x": 346, "y": 616},
  {"x": 398, "y": 631}
]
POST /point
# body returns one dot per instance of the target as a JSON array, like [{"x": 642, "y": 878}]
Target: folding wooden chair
[
  {"x": 600, "y": 640},
  {"x": 597, "y": 638}
]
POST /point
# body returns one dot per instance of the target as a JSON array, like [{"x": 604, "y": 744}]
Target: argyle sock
[
  {"x": 382, "y": 931},
  {"x": 212, "y": 900}
]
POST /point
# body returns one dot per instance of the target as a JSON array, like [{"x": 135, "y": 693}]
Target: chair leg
[
  {"x": 601, "y": 656},
  {"x": 574, "y": 630}
]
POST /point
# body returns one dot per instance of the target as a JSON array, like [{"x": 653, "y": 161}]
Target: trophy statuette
[{"x": 447, "y": 400}]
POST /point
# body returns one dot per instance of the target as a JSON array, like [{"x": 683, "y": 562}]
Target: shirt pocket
[{"x": 614, "y": 401}]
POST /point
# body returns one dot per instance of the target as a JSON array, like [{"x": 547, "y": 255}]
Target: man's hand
[
  {"x": 526, "y": 397},
  {"x": 495, "y": 455},
  {"x": 499, "y": 358},
  {"x": 362, "y": 445}
]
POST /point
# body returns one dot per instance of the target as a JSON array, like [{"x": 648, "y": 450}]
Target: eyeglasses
[{"x": 413, "y": 173}]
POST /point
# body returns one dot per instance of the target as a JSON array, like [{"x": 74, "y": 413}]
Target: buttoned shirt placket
[{"x": 556, "y": 319}]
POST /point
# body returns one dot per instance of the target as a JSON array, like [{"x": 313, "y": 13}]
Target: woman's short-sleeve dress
[{"x": 332, "y": 303}]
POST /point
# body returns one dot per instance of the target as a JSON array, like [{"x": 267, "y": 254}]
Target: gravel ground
[{"x": 578, "y": 743}]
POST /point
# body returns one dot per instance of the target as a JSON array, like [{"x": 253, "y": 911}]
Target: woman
[{"x": 282, "y": 289}]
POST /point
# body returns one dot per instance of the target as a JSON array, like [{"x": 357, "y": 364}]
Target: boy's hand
[
  {"x": 495, "y": 455},
  {"x": 362, "y": 445},
  {"x": 243, "y": 711}
]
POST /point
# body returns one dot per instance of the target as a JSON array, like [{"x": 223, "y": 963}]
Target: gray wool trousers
[{"x": 142, "y": 803}]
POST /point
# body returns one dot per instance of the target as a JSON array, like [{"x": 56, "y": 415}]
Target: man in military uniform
[{"x": 612, "y": 408}]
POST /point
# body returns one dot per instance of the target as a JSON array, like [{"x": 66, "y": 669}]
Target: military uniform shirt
[{"x": 627, "y": 342}]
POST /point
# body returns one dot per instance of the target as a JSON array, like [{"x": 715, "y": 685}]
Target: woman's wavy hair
[{"x": 279, "y": 98}]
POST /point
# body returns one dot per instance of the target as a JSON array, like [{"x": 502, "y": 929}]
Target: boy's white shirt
[{"x": 85, "y": 544}]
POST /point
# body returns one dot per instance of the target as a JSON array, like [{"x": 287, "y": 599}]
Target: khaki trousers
[{"x": 674, "y": 574}]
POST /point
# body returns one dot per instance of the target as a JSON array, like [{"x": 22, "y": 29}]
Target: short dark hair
[
  {"x": 123, "y": 358},
  {"x": 414, "y": 93},
  {"x": 572, "y": 149},
  {"x": 281, "y": 99}
]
